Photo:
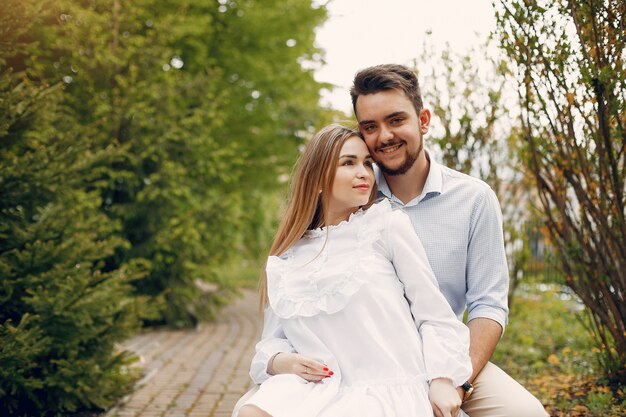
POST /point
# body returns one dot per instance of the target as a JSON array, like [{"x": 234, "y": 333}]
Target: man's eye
[
  {"x": 396, "y": 120},
  {"x": 369, "y": 128}
]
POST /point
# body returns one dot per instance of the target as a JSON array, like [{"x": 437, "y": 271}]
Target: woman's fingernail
[
  {"x": 326, "y": 369},
  {"x": 330, "y": 373}
]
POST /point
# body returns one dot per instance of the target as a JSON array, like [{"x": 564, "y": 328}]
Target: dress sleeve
[
  {"x": 445, "y": 339},
  {"x": 273, "y": 341}
]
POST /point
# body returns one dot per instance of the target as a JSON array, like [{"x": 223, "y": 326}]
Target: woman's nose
[{"x": 362, "y": 172}]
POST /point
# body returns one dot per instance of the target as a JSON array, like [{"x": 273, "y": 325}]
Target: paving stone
[{"x": 195, "y": 373}]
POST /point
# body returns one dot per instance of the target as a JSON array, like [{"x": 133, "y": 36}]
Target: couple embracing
[{"x": 380, "y": 252}]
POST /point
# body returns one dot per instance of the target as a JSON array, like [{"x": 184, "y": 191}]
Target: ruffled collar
[
  {"x": 322, "y": 231},
  {"x": 326, "y": 284}
]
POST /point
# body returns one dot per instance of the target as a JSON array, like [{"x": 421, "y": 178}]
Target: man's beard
[{"x": 404, "y": 168}]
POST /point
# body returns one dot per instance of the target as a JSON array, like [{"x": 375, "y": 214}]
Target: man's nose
[{"x": 385, "y": 134}]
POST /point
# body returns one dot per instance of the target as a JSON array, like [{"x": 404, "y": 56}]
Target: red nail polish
[
  {"x": 331, "y": 373},
  {"x": 326, "y": 369}
]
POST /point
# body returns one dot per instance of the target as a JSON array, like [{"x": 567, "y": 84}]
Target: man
[{"x": 459, "y": 222}]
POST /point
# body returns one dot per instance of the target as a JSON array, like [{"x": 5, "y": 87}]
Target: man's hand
[
  {"x": 444, "y": 398},
  {"x": 304, "y": 367}
]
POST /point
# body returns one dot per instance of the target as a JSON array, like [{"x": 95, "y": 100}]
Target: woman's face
[{"x": 353, "y": 180}]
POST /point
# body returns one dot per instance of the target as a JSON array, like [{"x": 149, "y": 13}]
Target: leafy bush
[
  {"x": 571, "y": 82},
  {"x": 62, "y": 306},
  {"x": 549, "y": 350}
]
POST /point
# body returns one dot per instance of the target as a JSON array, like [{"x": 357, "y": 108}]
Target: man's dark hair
[{"x": 387, "y": 77}]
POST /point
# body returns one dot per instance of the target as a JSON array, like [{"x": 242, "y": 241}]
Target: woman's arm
[
  {"x": 273, "y": 341},
  {"x": 276, "y": 355},
  {"x": 445, "y": 338}
]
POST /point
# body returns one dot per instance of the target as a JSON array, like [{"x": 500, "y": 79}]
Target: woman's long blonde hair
[{"x": 309, "y": 196}]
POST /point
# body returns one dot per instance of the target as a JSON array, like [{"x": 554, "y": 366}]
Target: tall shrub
[
  {"x": 62, "y": 306},
  {"x": 572, "y": 85}
]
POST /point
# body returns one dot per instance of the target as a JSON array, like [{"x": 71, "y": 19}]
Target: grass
[{"x": 548, "y": 350}]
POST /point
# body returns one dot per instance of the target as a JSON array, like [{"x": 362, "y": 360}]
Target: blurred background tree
[
  {"x": 572, "y": 86},
  {"x": 206, "y": 108},
  {"x": 64, "y": 306}
]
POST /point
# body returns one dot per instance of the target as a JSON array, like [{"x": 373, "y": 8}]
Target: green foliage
[
  {"x": 561, "y": 340},
  {"x": 598, "y": 402},
  {"x": 549, "y": 350},
  {"x": 205, "y": 107},
  {"x": 572, "y": 87},
  {"x": 63, "y": 305}
]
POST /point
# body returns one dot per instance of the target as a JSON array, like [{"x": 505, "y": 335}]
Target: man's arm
[
  {"x": 484, "y": 336},
  {"x": 487, "y": 281}
]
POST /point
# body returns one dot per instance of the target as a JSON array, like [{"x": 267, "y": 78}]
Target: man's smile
[{"x": 389, "y": 148}]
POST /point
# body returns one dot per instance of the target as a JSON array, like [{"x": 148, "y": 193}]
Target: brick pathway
[{"x": 195, "y": 373}]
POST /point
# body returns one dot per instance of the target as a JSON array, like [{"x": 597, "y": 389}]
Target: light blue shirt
[{"x": 459, "y": 221}]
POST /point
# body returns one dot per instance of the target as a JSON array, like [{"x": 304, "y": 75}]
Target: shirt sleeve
[
  {"x": 487, "y": 269},
  {"x": 273, "y": 341},
  {"x": 445, "y": 339}
]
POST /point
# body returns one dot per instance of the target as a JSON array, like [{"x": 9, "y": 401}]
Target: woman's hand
[
  {"x": 294, "y": 363},
  {"x": 444, "y": 398}
]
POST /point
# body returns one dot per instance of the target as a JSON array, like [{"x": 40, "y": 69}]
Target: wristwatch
[{"x": 468, "y": 388}]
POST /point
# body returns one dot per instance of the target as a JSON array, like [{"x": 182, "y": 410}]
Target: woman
[{"x": 335, "y": 291}]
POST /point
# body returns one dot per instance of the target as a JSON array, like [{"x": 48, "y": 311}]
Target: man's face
[{"x": 392, "y": 129}]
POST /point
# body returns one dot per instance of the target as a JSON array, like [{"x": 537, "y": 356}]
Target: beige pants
[{"x": 495, "y": 394}]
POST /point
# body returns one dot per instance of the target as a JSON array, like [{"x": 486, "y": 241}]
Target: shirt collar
[{"x": 432, "y": 187}]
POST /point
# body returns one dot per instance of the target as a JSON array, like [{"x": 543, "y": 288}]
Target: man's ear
[{"x": 424, "y": 120}]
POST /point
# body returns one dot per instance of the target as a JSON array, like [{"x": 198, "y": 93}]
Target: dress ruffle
[
  {"x": 405, "y": 397},
  {"x": 325, "y": 285}
]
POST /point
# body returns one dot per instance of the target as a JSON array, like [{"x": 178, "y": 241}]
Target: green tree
[
  {"x": 270, "y": 101},
  {"x": 63, "y": 306},
  {"x": 205, "y": 105},
  {"x": 572, "y": 87}
]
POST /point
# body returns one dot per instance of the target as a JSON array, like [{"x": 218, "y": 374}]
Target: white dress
[{"x": 343, "y": 301}]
